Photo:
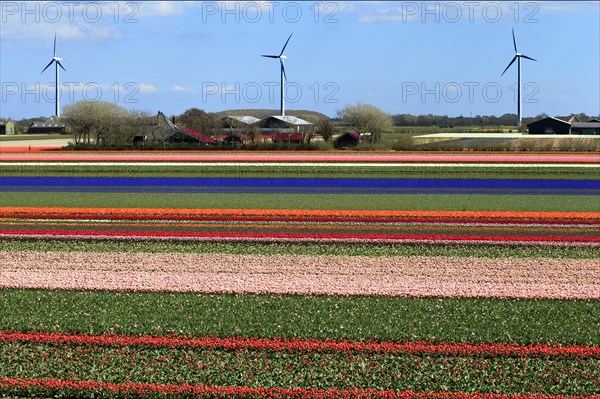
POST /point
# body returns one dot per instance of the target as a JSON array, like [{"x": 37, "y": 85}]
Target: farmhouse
[
  {"x": 558, "y": 126},
  {"x": 193, "y": 136},
  {"x": 347, "y": 139},
  {"x": 295, "y": 138},
  {"x": 52, "y": 125},
  {"x": 190, "y": 136},
  {"x": 7, "y": 127},
  {"x": 158, "y": 129}
]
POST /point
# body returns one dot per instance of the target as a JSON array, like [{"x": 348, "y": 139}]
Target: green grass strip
[
  {"x": 458, "y": 202},
  {"x": 291, "y": 248},
  {"x": 329, "y": 370},
  {"x": 224, "y": 315},
  {"x": 299, "y": 171}
]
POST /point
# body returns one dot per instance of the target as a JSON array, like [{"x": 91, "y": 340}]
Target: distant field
[
  {"x": 300, "y": 248},
  {"x": 33, "y": 137},
  {"x": 346, "y": 274}
]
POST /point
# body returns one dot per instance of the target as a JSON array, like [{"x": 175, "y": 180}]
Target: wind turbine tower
[
  {"x": 282, "y": 58},
  {"x": 56, "y": 60},
  {"x": 518, "y": 57}
]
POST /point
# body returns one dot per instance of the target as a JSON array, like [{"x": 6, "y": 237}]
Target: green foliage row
[
  {"x": 292, "y": 248},
  {"x": 303, "y": 229},
  {"x": 449, "y": 202},
  {"x": 299, "y": 171},
  {"x": 323, "y": 317},
  {"x": 309, "y": 370}
]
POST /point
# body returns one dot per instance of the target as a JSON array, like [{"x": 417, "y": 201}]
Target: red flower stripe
[
  {"x": 6, "y": 212},
  {"x": 207, "y": 390},
  {"x": 300, "y": 236},
  {"x": 306, "y": 345},
  {"x": 55, "y": 216}
]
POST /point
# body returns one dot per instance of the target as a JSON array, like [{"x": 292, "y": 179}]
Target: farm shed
[
  {"x": 558, "y": 126},
  {"x": 347, "y": 139},
  {"x": 239, "y": 128},
  {"x": 284, "y": 124},
  {"x": 7, "y": 127},
  {"x": 585, "y": 128},
  {"x": 52, "y": 125},
  {"x": 234, "y": 121},
  {"x": 549, "y": 126}
]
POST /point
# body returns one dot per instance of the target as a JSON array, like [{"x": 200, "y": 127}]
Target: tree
[
  {"x": 325, "y": 128},
  {"x": 107, "y": 123},
  {"x": 366, "y": 118},
  {"x": 199, "y": 120},
  {"x": 252, "y": 131}
]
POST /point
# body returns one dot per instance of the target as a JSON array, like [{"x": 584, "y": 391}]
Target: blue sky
[{"x": 404, "y": 57}]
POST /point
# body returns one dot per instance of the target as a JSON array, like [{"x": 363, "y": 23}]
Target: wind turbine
[
  {"x": 56, "y": 60},
  {"x": 281, "y": 58},
  {"x": 517, "y": 57}
]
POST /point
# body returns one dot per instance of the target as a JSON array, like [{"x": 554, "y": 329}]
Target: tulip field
[{"x": 300, "y": 275}]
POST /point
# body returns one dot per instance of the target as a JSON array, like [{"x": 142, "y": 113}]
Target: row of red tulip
[
  {"x": 242, "y": 391},
  {"x": 274, "y": 236},
  {"x": 191, "y": 214},
  {"x": 307, "y": 345}
]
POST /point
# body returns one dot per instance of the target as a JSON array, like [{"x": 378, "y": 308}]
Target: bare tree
[
  {"x": 325, "y": 128},
  {"x": 197, "y": 119},
  {"x": 366, "y": 118},
  {"x": 98, "y": 121},
  {"x": 252, "y": 131}
]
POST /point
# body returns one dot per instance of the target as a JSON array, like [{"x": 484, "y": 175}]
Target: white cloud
[
  {"x": 345, "y": 6},
  {"x": 389, "y": 14},
  {"x": 105, "y": 33},
  {"x": 561, "y": 6},
  {"x": 159, "y": 8},
  {"x": 44, "y": 33},
  {"x": 146, "y": 88},
  {"x": 178, "y": 88},
  {"x": 452, "y": 11}
]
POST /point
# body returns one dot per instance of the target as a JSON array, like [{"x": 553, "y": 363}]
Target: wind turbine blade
[
  {"x": 59, "y": 64},
  {"x": 283, "y": 69},
  {"x": 47, "y": 66},
  {"x": 529, "y": 58},
  {"x": 513, "y": 60},
  {"x": 283, "y": 49},
  {"x": 270, "y": 56},
  {"x": 54, "y": 53},
  {"x": 514, "y": 40}
]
